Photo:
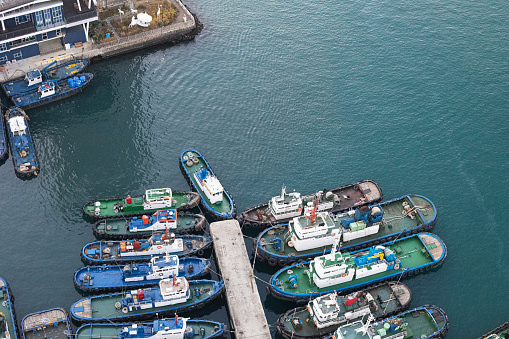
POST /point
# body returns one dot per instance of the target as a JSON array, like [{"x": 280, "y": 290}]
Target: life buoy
[
  {"x": 147, "y": 202},
  {"x": 159, "y": 247},
  {"x": 160, "y": 274},
  {"x": 344, "y": 275}
]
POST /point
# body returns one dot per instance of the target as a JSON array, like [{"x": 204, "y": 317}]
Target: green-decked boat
[
  {"x": 151, "y": 201},
  {"x": 424, "y": 322},
  {"x": 144, "y": 227},
  {"x": 216, "y": 202},
  {"x": 323, "y": 315},
  {"x": 171, "y": 296},
  {"x": 8, "y": 323},
  {"x": 177, "y": 328},
  {"x": 501, "y": 332},
  {"x": 306, "y": 237},
  {"x": 347, "y": 272}
]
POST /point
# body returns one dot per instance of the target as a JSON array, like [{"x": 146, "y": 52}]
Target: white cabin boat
[
  {"x": 153, "y": 246},
  {"x": 210, "y": 185},
  {"x": 159, "y": 268},
  {"x": 289, "y": 205},
  {"x": 158, "y": 198}
]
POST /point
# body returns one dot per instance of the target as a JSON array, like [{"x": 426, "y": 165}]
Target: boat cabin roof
[
  {"x": 45, "y": 86},
  {"x": 166, "y": 215},
  {"x": 170, "y": 260},
  {"x": 209, "y": 181},
  {"x": 157, "y": 193},
  {"x": 304, "y": 228},
  {"x": 17, "y": 124},
  {"x": 31, "y": 75},
  {"x": 173, "y": 285}
]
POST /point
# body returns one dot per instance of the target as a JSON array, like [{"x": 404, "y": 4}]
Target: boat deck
[
  {"x": 50, "y": 324},
  {"x": 4, "y": 308},
  {"x": 241, "y": 289},
  {"x": 434, "y": 246},
  {"x": 65, "y": 70}
]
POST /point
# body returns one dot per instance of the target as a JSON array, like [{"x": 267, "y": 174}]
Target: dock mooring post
[{"x": 243, "y": 299}]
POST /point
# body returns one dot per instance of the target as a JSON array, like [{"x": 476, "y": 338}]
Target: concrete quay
[
  {"x": 244, "y": 304},
  {"x": 181, "y": 31}
]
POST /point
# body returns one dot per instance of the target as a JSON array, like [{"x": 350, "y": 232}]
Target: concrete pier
[{"x": 244, "y": 304}]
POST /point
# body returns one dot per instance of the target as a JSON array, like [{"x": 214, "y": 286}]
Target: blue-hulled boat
[
  {"x": 53, "y": 90},
  {"x": 173, "y": 328},
  {"x": 3, "y": 138},
  {"x": 216, "y": 202},
  {"x": 8, "y": 323},
  {"x": 169, "y": 297},
  {"x": 52, "y": 323},
  {"x": 22, "y": 146},
  {"x": 117, "y": 277},
  {"x": 33, "y": 78},
  {"x": 306, "y": 237},
  {"x": 125, "y": 251}
]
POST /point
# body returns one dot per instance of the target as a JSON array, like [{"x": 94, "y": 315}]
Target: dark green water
[{"x": 413, "y": 95}]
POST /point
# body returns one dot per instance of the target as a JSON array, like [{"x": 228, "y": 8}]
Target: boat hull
[
  {"x": 184, "y": 201},
  {"x": 423, "y": 259},
  {"x": 226, "y": 209},
  {"x": 3, "y": 138},
  {"x": 110, "y": 278},
  {"x": 372, "y": 194},
  {"x": 201, "y": 246},
  {"x": 425, "y": 221},
  {"x": 7, "y": 308},
  {"x": 52, "y": 323},
  {"x": 309, "y": 330},
  {"x": 211, "y": 329},
  {"x": 118, "y": 228},
  {"x": 502, "y": 329},
  {"x": 103, "y": 306}
]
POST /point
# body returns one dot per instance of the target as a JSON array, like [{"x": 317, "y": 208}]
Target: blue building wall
[
  {"x": 26, "y": 52},
  {"x": 74, "y": 34}
]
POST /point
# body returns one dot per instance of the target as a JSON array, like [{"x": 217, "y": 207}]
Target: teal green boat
[
  {"x": 501, "y": 332},
  {"x": 8, "y": 323},
  {"x": 150, "y": 202},
  {"x": 162, "y": 220},
  {"x": 216, "y": 202},
  {"x": 424, "y": 322},
  {"x": 170, "y": 296},
  {"x": 177, "y": 328},
  {"x": 347, "y": 272}
]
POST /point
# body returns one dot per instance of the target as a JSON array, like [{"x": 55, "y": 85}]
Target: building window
[
  {"x": 27, "y": 18},
  {"x": 3, "y": 47},
  {"x": 16, "y": 20},
  {"x": 59, "y": 32},
  {"x": 57, "y": 14},
  {"x": 3, "y": 58},
  {"x": 47, "y": 16},
  {"x": 18, "y": 55},
  {"x": 44, "y": 36},
  {"x": 38, "y": 18}
]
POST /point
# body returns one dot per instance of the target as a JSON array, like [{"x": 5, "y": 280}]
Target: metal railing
[
  {"x": 24, "y": 31},
  {"x": 82, "y": 16}
]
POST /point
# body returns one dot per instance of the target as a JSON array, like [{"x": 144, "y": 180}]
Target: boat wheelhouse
[
  {"x": 167, "y": 298},
  {"x": 314, "y": 233},
  {"x": 172, "y": 328},
  {"x": 284, "y": 207},
  {"x": 116, "y": 277},
  {"x": 324, "y": 314},
  {"x": 346, "y": 272},
  {"x": 151, "y": 201},
  {"x": 125, "y": 251},
  {"x": 216, "y": 202},
  {"x": 51, "y": 323}
]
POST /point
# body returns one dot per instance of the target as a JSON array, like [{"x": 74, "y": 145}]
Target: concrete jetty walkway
[{"x": 244, "y": 304}]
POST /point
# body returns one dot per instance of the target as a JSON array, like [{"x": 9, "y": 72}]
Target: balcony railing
[
  {"x": 14, "y": 34},
  {"x": 82, "y": 16},
  {"x": 56, "y": 24}
]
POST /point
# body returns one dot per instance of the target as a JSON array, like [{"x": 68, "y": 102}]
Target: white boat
[
  {"x": 209, "y": 184},
  {"x": 156, "y": 244}
]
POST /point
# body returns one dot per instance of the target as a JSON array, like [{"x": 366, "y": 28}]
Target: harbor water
[{"x": 412, "y": 95}]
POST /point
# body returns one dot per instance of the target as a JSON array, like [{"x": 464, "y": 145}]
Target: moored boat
[
  {"x": 21, "y": 143},
  {"x": 51, "y": 91},
  {"x": 216, "y": 202},
  {"x": 323, "y": 315},
  {"x": 307, "y": 236},
  {"x": 3, "y": 138},
  {"x": 124, "y": 228},
  {"x": 284, "y": 207},
  {"x": 51, "y": 323},
  {"x": 501, "y": 332},
  {"x": 50, "y": 72},
  {"x": 176, "y": 295},
  {"x": 423, "y": 322},
  {"x": 118, "y": 277},
  {"x": 125, "y": 251},
  {"x": 8, "y": 323},
  {"x": 178, "y": 328},
  {"x": 151, "y": 201},
  {"x": 347, "y": 272}
]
